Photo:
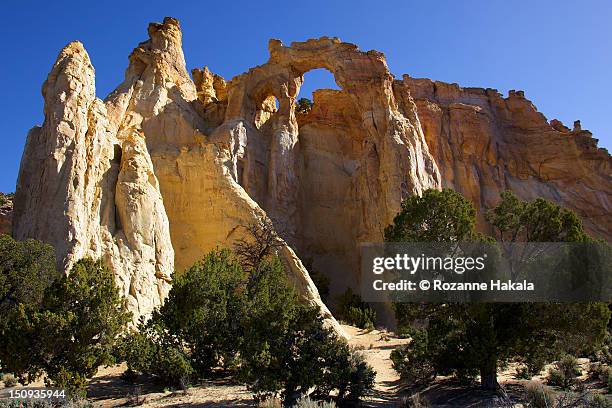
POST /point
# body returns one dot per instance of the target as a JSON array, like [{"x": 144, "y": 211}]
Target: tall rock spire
[{"x": 89, "y": 194}]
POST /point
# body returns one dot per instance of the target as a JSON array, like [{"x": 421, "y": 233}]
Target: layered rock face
[
  {"x": 485, "y": 144},
  {"x": 168, "y": 168},
  {"x": 331, "y": 178}
]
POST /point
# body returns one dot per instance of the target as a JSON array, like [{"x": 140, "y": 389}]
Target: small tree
[
  {"x": 82, "y": 315},
  {"x": 203, "y": 309},
  {"x": 304, "y": 105},
  {"x": 468, "y": 338},
  {"x": 260, "y": 242},
  {"x": 71, "y": 330},
  {"x": 27, "y": 270},
  {"x": 436, "y": 216}
]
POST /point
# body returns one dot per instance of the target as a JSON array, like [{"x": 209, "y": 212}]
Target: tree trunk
[{"x": 488, "y": 376}]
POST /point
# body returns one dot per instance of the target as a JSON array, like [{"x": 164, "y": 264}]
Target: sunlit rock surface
[{"x": 168, "y": 167}]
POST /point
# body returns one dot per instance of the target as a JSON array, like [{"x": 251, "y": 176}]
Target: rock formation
[
  {"x": 90, "y": 190},
  {"x": 6, "y": 213},
  {"x": 168, "y": 168},
  {"x": 485, "y": 144}
]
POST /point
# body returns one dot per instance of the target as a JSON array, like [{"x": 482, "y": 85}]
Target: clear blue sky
[{"x": 559, "y": 52}]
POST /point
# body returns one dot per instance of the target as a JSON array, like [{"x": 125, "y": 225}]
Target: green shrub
[
  {"x": 557, "y": 378},
  {"x": 152, "y": 351},
  {"x": 253, "y": 325},
  {"x": 17, "y": 403},
  {"x": 484, "y": 336},
  {"x": 354, "y": 311},
  {"x": 599, "y": 372},
  {"x": 32, "y": 403},
  {"x": 363, "y": 318},
  {"x": 173, "y": 367},
  {"x": 412, "y": 361},
  {"x": 82, "y": 315},
  {"x": 539, "y": 396},
  {"x": 203, "y": 310},
  {"x": 565, "y": 372},
  {"x": 62, "y": 325},
  {"x": 355, "y": 378},
  {"x": 287, "y": 348},
  {"x": 604, "y": 353},
  {"x": 27, "y": 269},
  {"x": 306, "y": 356}
]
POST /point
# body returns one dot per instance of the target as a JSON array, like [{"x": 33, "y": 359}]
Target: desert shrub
[
  {"x": 557, "y": 378},
  {"x": 286, "y": 347},
  {"x": 412, "y": 361},
  {"x": 523, "y": 373},
  {"x": 82, "y": 315},
  {"x": 363, "y": 318},
  {"x": 153, "y": 351},
  {"x": 305, "y": 402},
  {"x": 173, "y": 367},
  {"x": 307, "y": 356},
  {"x": 204, "y": 308},
  {"x": 565, "y": 372},
  {"x": 539, "y": 396},
  {"x": 600, "y": 401},
  {"x": 250, "y": 322},
  {"x": 9, "y": 380},
  {"x": 33, "y": 403},
  {"x": 600, "y": 372},
  {"x": 413, "y": 401},
  {"x": 62, "y": 325},
  {"x": 272, "y": 402},
  {"x": 27, "y": 269},
  {"x": 581, "y": 400},
  {"x": 603, "y": 354},
  {"x": 354, "y": 378},
  {"x": 17, "y": 403},
  {"x": 354, "y": 311}
]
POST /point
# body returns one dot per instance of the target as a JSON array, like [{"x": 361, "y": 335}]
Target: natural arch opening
[
  {"x": 330, "y": 151},
  {"x": 319, "y": 78}
]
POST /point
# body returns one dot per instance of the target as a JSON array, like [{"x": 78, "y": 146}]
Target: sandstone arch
[{"x": 196, "y": 162}]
